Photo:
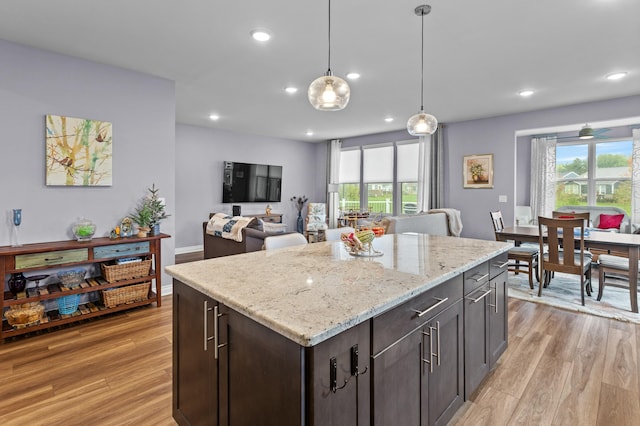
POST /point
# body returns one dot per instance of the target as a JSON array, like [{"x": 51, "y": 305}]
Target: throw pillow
[{"x": 610, "y": 221}]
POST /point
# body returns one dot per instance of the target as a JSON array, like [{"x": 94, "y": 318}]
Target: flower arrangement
[{"x": 299, "y": 202}]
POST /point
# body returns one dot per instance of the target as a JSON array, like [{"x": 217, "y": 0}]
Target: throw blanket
[
  {"x": 225, "y": 226},
  {"x": 453, "y": 219}
]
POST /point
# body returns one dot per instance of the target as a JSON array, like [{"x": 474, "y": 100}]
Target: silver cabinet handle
[
  {"x": 502, "y": 265},
  {"x": 440, "y": 302},
  {"x": 438, "y": 341},
  {"x": 495, "y": 306},
  {"x": 482, "y": 296},
  {"x": 430, "y": 360},
  {"x": 206, "y": 310},
  {"x": 481, "y": 278},
  {"x": 216, "y": 348}
]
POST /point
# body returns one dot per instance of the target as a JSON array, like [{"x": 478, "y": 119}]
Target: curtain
[
  {"x": 635, "y": 180},
  {"x": 333, "y": 179},
  {"x": 543, "y": 176},
  {"x": 430, "y": 170}
]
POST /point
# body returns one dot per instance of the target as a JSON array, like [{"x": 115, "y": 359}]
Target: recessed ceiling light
[
  {"x": 214, "y": 117},
  {"x": 261, "y": 34},
  {"x": 291, "y": 89},
  {"x": 388, "y": 119},
  {"x": 616, "y": 76},
  {"x": 309, "y": 133},
  {"x": 353, "y": 76},
  {"x": 526, "y": 93}
]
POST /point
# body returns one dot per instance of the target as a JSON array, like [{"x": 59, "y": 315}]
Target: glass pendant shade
[
  {"x": 329, "y": 93},
  {"x": 422, "y": 124}
]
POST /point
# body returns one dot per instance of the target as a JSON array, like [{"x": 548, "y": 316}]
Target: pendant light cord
[
  {"x": 329, "y": 60},
  {"x": 422, "y": 66}
]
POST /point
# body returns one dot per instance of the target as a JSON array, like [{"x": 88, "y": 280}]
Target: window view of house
[{"x": 594, "y": 173}]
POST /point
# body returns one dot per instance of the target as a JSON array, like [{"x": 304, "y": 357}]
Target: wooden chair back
[
  {"x": 498, "y": 222},
  {"x": 562, "y": 232}
]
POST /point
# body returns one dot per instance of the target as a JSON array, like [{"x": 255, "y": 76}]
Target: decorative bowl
[
  {"x": 83, "y": 230},
  {"x": 24, "y": 314},
  {"x": 72, "y": 277}
]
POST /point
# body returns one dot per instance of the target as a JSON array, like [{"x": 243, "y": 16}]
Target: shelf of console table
[{"x": 31, "y": 258}]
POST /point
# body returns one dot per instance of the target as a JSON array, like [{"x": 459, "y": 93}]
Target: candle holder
[{"x": 17, "y": 220}]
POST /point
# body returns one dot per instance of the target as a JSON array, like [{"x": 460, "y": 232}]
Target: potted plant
[{"x": 149, "y": 213}]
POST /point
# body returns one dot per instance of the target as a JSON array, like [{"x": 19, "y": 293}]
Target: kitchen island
[{"x": 311, "y": 335}]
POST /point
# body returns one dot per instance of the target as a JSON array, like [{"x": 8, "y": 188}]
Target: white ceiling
[{"x": 478, "y": 55}]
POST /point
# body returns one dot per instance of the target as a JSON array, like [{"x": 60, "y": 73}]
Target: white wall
[
  {"x": 141, "y": 108},
  {"x": 200, "y": 153}
]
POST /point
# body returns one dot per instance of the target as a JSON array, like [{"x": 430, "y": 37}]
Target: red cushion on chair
[
  {"x": 566, "y": 217},
  {"x": 609, "y": 221}
]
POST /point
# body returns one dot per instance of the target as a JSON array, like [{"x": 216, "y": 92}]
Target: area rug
[{"x": 564, "y": 292}]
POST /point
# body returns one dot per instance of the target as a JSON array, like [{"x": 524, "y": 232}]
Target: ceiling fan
[{"x": 587, "y": 132}]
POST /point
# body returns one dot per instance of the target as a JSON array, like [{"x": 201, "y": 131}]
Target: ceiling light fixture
[
  {"x": 616, "y": 76},
  {"x": 586, "y": 132},
  {"x": 388, "y": 119},
  {"x": 261, "y": 35},
  {"x": 353, "y": 76},
  {"x": 422, "y": 123},
  {"x": 214, "y": 117},
  {"x": 329, "y": 93},
  {"x": 291, "y": 89},
  {"x": 526, "y": 93},
  {"x": 309, "y": 133}
]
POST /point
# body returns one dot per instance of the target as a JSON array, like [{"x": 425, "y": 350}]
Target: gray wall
[
  {"x": 141, "y": 108},
  {"x": 199, "y": 160},
  {"x": 497, "y": 136}
]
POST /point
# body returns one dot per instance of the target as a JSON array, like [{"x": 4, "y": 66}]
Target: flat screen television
[{"x": 251, "y": 183}]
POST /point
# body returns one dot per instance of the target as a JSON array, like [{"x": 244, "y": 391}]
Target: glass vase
[{"x": 300, "y": 223}]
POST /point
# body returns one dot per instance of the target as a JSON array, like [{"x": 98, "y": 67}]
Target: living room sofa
[
  {"x": 252, "y": 240},
  {"x": 595, "y": 219}
]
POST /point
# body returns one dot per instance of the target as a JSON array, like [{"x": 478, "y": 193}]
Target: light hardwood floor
[{"x": 560, "y": 368}]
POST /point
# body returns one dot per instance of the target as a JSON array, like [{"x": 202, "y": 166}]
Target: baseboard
[{"x": 191, "y": 249}]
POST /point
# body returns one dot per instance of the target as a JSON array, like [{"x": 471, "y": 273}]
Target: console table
[
  {"x": 52, "y": 257},
  {"x": 273, "y": 217}
]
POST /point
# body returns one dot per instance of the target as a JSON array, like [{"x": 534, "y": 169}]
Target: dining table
[{"x": 610, "y": 242}]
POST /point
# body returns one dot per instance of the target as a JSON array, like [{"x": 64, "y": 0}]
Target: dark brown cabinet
[
  {"x": 485, "y": 320},
  {"x": 418, "y": 379}
]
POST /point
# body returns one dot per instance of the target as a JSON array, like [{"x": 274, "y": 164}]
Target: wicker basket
[
  {"x": 123, "y": 295},
  {"x": 126, "y": 271},
  {"x": 68, "y": 304}
]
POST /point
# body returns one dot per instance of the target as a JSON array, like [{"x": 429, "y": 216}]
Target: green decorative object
[{"x": 150, "y": 212}]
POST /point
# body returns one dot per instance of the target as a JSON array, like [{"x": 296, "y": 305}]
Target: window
[
  {"x": 594, "y": 173},
  {"x": 389, "y": 181}
]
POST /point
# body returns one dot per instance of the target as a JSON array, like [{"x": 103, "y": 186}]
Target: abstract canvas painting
[{"x": 78, "y": 152}]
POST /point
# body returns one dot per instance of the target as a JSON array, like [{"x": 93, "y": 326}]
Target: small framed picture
[{"x": 477, "y": 171}]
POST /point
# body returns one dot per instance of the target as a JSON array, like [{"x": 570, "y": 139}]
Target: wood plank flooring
[{"x": 561, "y": 368}]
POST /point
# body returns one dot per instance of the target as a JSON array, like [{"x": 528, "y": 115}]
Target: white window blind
[
  {"x": 350, "y": 166},
  {"x": 378, "y": 164},
  {"x": 408, "y": 155}
]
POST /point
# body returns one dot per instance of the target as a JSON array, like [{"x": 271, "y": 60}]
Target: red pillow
[{"x": 609, "y": 221}]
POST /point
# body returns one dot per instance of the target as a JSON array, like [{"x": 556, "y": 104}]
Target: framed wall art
[
  {"x": 477, "y": 171},
  {"x": 78, "y": 152}
]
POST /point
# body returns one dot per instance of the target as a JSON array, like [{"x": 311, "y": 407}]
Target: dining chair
[
  {"x": 619, "y": 267},
  {"x": 285, "y": 240},
  {"x": 518, "y": 254},
  {"x": 576, "y": 215},
  {"x": 569, "y": 233}
]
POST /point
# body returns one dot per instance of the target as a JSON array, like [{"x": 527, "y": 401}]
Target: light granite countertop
[{"x": 311, "y": 293}]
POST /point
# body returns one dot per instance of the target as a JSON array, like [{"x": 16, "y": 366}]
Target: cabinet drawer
[
  {"x": 475, "y": 277},
  {"x": 272, "y": 219},
  {"x": 396, "y": 323},
  {"x": 36, "y": 260},
  {"x": 498, "y": 265},
  {"x": 121, "y": 250}
]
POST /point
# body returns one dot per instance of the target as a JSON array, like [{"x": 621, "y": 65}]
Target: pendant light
[
  {"x": 422, "y": 124},
  {"x": 329, "y": 93}
]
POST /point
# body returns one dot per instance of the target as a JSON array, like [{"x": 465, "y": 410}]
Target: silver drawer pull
[
  {"x": 216, "y": 324},
  {"x": 481, "y": 278},
  {"x": 206, "y": 310},
  {"x": 481, "y": 297},
  {"x": 441, "y": 301},
  {"x": 504, "y": 265},
  {"x": 496, "y": 305}
]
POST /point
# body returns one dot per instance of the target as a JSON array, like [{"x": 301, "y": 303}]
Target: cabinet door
[
  {"x": 446, "y": 382},
  {"x": 397, "y": 378},
  {"x": 476, "y": 342},
  {"x": 195, "y": 377},
  {"x": 498, "y": 326}
]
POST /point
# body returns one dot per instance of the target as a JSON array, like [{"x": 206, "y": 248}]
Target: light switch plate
[{"x": 502, "y": 198}]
